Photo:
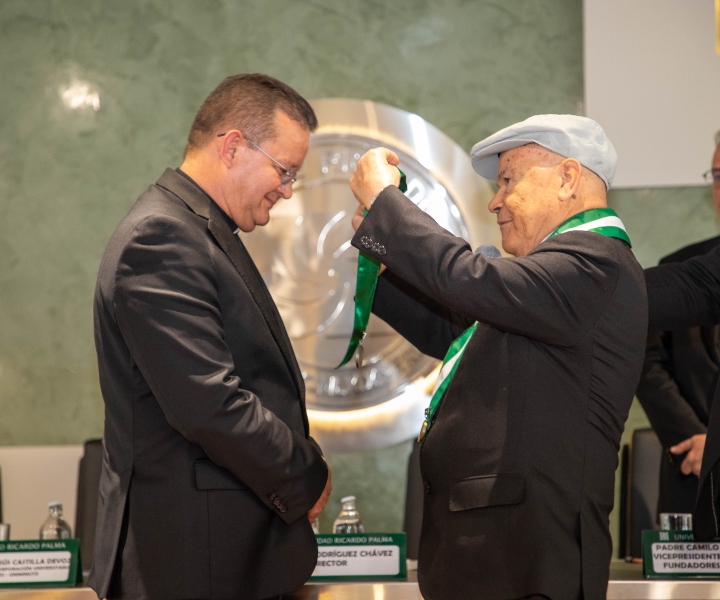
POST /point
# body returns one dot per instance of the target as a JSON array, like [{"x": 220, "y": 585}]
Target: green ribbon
[
  {"x": 367, "y": 277},
  {"x": 450, "y": 365}
]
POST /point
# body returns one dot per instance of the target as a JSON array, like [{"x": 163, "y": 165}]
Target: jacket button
[
  {"x": 427, "y": 487},
  {"x": 276, "y": 502},
  {"x": 283, "y": 509},
  {"x": 381, "y": 250},
  {"x": 366, "y": 241},
  {"x": 272, "y": 496}
]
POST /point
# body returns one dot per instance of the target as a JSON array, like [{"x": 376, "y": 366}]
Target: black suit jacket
[
  {"x": 676, "y": 391},
  {"x": 208, "y": 470},
  {"x": 519, "y": 464},
  {"x": 682, "y": 295}
]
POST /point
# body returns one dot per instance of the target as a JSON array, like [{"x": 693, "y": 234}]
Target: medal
[
  {"x": 423, "y": 431},
  {"x": 360, "y": 353}
]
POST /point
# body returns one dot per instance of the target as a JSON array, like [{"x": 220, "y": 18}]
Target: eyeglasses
[
  {"x": 712, "y": 176},
  {"x": 287, "y": 176}
]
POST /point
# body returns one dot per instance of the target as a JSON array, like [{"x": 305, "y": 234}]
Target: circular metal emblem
[{"x": 305, "y": 257}]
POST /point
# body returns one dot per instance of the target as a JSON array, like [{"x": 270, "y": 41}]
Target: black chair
[
  {"x": 413, "y": 503},
  {"x": 639, "y": 491},
  {"x": 87, "y": 497}
]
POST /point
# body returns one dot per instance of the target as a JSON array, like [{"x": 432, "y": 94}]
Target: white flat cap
[{"x": 568, "y": 135}]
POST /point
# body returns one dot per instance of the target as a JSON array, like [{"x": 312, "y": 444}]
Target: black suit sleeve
[
  {"x": 687, "y": 294},
  {"x": 425, "y": 323},
  {"x": 166, "y": 305},
  {"x": 669, "y": 413},
  {"x": 553, "y": 296}
]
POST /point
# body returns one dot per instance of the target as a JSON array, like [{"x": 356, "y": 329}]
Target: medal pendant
[
  {"x": 423, "y": 431},
  {"x": 360, "y": 352},
  {"x": 359, "y": 355}
]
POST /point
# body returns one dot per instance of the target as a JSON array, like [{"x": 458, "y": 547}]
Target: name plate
[
  {"x": 361, "y": 557},
  {"x": 675, "y": 554},
  {"x": 40, "y": 562}
]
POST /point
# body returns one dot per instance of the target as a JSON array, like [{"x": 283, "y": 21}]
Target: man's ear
[
  {"x": 230, "y": 146},
  {"x": 571, "y": 173}
]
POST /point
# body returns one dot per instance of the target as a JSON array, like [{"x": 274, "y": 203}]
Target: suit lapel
[
  {"x": 240, "y": 258},
  {"x": 202, "y": 205}
]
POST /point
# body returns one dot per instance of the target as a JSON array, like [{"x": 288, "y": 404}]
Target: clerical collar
[{"x": 230, "y": 223}]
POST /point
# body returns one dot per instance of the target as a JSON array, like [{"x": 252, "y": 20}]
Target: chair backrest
[
  {"x": 413, "y": 503},
  {"x": 640, "y": 490},
  {"x": 87, "y": 497}
]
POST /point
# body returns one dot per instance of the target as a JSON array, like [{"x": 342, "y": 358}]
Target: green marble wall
[{"x": 67, "y": 177}]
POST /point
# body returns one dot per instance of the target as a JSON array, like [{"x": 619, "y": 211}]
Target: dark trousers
[{"x": 678, "y": 492}]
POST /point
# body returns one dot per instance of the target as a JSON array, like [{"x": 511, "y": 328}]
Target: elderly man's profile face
[
  {"x": 256, "y": 184},
  {"x": 526, "y": 202}
]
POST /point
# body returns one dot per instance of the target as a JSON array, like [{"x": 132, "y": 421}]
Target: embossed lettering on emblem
[
  {"x": 417, "y": 192},
  {"x": 339, "y": 161}
]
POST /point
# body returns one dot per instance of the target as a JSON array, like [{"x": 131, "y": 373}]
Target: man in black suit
[
  {"x": 677, "y": 386},
  {"x": 683, "y": 295},
  {"x": 519, "y": 451},
  {"x": 210, "y": 480}
]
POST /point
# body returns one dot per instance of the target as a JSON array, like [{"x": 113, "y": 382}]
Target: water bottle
[
  {"x": 55, "y": 527},
  {"x": 348, "y": 520}
]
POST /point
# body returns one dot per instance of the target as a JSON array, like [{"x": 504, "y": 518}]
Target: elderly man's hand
[
  {"x": 376, "y": 170},
  {"x": 694, "y": 446}
]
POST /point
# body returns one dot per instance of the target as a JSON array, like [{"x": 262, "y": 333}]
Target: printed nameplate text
[
  {"x": 40, "y": 562},
  {"x": 673, "y": 554},
  {"x": 363, "y": 556}
]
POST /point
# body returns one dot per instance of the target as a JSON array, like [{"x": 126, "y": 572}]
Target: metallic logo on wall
[{"x": 305, "y": 257}]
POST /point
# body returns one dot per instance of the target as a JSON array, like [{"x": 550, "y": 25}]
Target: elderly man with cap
[{"x": 542, "y": 355}]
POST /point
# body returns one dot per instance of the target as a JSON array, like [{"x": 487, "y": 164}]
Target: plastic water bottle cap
[
  {"x": 347, "y": 499},
  {"x": 53, "y": 504}
]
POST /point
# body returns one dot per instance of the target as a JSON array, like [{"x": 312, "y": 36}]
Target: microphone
[{"x": 488, "y": 251}]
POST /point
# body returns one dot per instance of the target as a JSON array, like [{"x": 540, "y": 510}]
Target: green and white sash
[{"x": 598, "y": 220}]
